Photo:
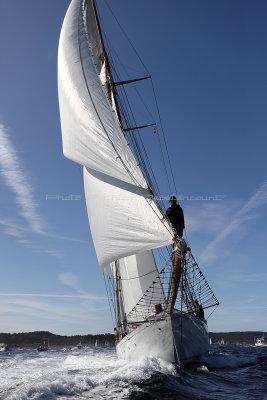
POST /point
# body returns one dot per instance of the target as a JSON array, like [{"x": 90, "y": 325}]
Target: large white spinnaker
[
  {"x": 137, "y": 274},
  {"x": 91, "y": 132}
]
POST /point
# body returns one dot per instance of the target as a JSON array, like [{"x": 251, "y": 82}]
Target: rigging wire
[
  {"x": 137, "y": 277},
  {"x": 125, "y": 34},
  {"x": 164, "y": 137},
  {"x": 127, "y": 114},
  {"x": 109, "y": 300},
  {"x": 147, "y": 109},
  {"x": 135, "y": 137},
  {"x": 154, "y": 92}
]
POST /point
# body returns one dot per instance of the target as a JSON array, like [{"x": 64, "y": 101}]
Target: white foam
[
  {"x": 66, "y": 373},
  {"x": 202, "y": 368}
]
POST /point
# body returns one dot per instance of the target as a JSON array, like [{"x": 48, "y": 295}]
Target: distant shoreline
[{"x": 33, "y": 339}]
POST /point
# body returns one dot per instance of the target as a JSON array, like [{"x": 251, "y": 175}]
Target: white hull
[{"x": 162, "y": 338}]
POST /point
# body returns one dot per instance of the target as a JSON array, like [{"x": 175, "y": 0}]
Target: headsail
[
  {"x": 137, "y": 273},
  {"x": 123, "y": 220}
]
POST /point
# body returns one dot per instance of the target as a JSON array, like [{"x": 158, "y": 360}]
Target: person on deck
[
  {"x": 176, "y": 216},
  {"x": 199, "y": 310}
]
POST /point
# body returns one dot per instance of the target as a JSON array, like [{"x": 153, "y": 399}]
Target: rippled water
[{"x": 229, "y": 372}]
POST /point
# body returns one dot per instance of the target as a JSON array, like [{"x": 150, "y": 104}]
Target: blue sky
[{"x": 208, "y": 61}]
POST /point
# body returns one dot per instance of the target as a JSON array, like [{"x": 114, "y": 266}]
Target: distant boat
[
  {"x": 96, "y": 344},
  {"x": 210, "y": 341},
  {"x": 79, "y": 345},
  {"x": 260, "y": 342},
  {"x": 44, "y": 346},
  {"x": 3, "y": 347},
  {"x": 221, "y": 341}
]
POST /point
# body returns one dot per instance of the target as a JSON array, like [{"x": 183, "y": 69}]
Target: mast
[
  {"x": 176, "y": 272},
  {"x": 119, "y": 335},
  {"x": 121, "y": 318},
  {"x": 98, "y": 27},
  {"x": 110, "y": 82},
  {"x": 177, "y": 263},
  {"x": 174, "y": 283}
]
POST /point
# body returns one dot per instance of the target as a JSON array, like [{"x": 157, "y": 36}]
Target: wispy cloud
[
  {"x": 60, "y": 237},
  {"x": 68, "y": 280},
  {"x": 247, "y": 278},
  {"x": 41, "y": 309},
  {"x": 54, "y": 253},
  {"x": 11, "y": 170},
  {"x": 71, "y": 281},
  {"x": 62, "y": 314},
  {"x": 209, "y": 217},
  {"x": 84, "y": 296},
  {"x": 12, "y": 228},
  {"x": 17, "y": 180},
  {"x": 243, "y": 215}
]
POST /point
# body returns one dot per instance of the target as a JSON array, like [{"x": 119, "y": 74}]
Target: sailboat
[
  {"x": 3, "y": 347},
  {"x": 44, "y": 346},
  {"x": 155, "y": 284},
  {"x": 260, "y": 342}
]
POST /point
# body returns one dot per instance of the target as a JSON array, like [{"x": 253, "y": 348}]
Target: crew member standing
[{"x": 176, "y": 216}]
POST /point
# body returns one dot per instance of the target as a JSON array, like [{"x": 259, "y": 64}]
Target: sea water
[{"x": 229, "y": 372}]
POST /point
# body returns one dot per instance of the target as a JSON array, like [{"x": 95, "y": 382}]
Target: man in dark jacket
[{"x": 176, "y": 216}]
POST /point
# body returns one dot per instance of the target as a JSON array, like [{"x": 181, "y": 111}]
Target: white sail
[
  {"x": 90, "y": 128},
  {"x": 122, "y": 220},
  {"x": 137, "y": 274}
]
